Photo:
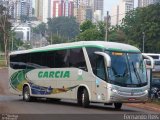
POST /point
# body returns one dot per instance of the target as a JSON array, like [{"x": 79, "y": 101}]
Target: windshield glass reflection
[{"x": 127, "y": 69}]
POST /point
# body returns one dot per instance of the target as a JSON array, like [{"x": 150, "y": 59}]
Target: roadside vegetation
[
  {"x": 155, "y": 101},
  {"x": 2, "y": 61}
]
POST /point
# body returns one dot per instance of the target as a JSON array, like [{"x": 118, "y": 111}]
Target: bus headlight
[
  {"x": 146, "y": 91},
  {"x": 114, "y": 90}
]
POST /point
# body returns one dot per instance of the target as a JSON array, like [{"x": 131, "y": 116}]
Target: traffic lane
[{"x": 15, "y": 104}]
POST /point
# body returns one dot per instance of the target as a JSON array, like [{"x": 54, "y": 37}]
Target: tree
[
  {"x": 1, "y": 40},
  {"x": 116, "y": 34},
  {"x": 65, "y": 27},
  {"x": 5, "y": 27},
  {"x": 89, "y": 35},
  {"x": 143, "y": 21},
  {"x": 26, "y": 46},
  {"x": 40, "y": 29},
  {"x": 90, "y": 31},
  {"x": 55, "y": 39},
  {"x": 87, "y": 25},
  {"x": 101, "y": 26},
  {"x": 14, "y": 42}
]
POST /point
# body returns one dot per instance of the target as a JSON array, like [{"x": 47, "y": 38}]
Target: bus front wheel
[
  {"x": 85, "y": 98},
  {"x": 118, "y": 106},
  {"x": 26, "y": 94}
]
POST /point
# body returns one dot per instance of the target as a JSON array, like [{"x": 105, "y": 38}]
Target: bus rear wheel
[
  {"x": 26, "y": 94},
  {"x": 117, "y": 106}
]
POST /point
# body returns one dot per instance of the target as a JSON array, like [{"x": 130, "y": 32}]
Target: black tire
[
  {"x": 26, "y": 94},
  {"x": 85, "y": 98},
  {"x": 117, "y": 106},
  {"x": 79, "y": 98}
]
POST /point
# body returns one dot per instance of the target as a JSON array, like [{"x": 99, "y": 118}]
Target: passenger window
[
  {"x": 18, "y": 61},
  {"x": 61, "y": 59},
  {"x": 100, "y": 67},
  {"x": 50, "y": 59},
  {"x": 92, "y": 57},
  {"x": 77, "y": 59}
]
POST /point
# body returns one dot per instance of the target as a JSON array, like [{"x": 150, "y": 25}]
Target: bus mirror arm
[
  {"x": 106, "y": 58},
  {"x": 151, "y": 59}
]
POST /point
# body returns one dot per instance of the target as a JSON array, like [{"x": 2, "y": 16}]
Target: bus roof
[{"x": 112, "y": 46}]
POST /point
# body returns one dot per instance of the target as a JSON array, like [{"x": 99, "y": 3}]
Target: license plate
[{"x": 131, "y": 99}]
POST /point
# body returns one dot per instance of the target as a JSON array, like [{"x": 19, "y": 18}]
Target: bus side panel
[
  {"x": 15, "y": 81},
  {"x": 58, "y": 82}
]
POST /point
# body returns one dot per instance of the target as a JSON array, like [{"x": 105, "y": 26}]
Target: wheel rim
[
  {"x": 83, "y": 98},
  {"x": 26, "y": 95}
]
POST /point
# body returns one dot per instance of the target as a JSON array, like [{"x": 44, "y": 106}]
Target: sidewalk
[
  {"x": 148, "y": 106},
  {"x": 3, "y": 68}
]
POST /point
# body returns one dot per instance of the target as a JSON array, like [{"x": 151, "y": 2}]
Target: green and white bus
[{"x": 86, "y": 71}]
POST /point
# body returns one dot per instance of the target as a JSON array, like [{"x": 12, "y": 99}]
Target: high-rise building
[
  {"x": 45, "y": 9},
  {"x": 83, "y": 9},
  {"x": 89, "y": 13},
  {"x": 7, "y": 4},
  {"x": 144, "y": 3},
  {"x": 98, "y": 5},
  {"x": 3, "y": 2},
  {"x": 39, "y": 9},
  {"x": 97, "y": 16},
  {"x": 115, "y": 15},
  {"x": 62, "y": 8},
  {"x": 51, "y": 8},
  {"x": 120, "y": 11},
  {"x": 18, "y": 8}
]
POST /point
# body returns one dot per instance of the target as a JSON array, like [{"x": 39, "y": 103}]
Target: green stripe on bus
[
  {"x": 51, "y": 49},
  {"x": 95, "y": 46},
  {"x": 121, "y": 50}
]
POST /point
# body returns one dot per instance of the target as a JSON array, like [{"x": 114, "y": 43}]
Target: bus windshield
[{"x": 127, "y": 69}]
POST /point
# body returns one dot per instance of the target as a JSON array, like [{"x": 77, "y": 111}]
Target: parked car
[{"x": 155, "y": 89}]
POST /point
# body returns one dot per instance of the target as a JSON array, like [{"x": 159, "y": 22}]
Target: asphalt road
[{"x": 11, "y": 104}]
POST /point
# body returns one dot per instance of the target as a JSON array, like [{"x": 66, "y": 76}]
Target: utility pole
[
  {"x": 143, "y": 40},
  {"x": 107, "y": 25}
]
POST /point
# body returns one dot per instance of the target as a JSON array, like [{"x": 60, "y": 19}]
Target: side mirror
[
  {"x": 106, "y": 58},
  {"x": 149, "y": 61}
]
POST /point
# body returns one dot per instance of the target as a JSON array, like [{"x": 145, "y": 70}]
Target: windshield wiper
[{"x": 136, "y": 73}]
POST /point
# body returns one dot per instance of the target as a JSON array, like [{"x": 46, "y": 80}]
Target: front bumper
[{"x": 128, "y": 97}]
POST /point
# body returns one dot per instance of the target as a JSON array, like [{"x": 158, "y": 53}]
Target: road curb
[{"x": 144, "y": 106}]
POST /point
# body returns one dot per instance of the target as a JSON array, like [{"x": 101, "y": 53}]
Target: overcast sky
[{"x": 108, "y": 4}]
